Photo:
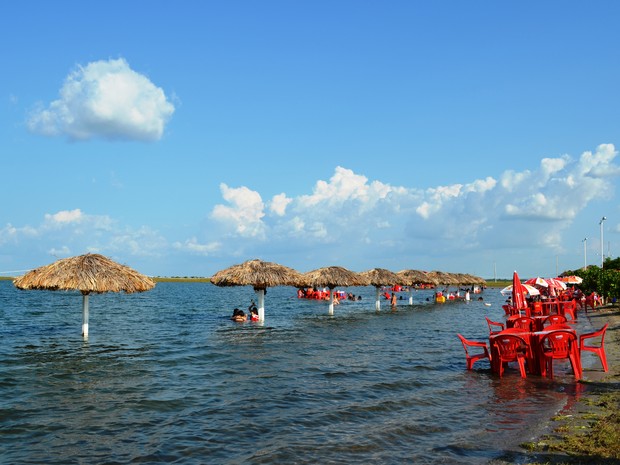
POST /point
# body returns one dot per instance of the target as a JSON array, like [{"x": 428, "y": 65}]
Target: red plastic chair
[
  {"x": 598, "y": 350},
  {"x": 510, "y": 348},
  {"x": 494, "y": 326},
  {"x": 558, "y": 345},
  {"x": 569, "y": 309},
  {"x": 554, "y": 320},
  {"x": 536, "y": 309},
  {"x": 473, "y": 358},
  {"x": 525, "y": 322}
]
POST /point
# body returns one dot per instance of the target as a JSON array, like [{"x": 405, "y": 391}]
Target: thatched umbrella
[
  {"x": 442, "y": 277},
  {"x": 412, "y": 277},
  {"x": 332, "y": 276},
  {"x": 85, "y": 273},
  {"x": 380, "y": 277},
  {"x": 260, "y": 275}
]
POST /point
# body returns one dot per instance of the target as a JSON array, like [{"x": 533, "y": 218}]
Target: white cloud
[
  {"x": 60, "y": 253},
  {"x": 352, "y": 213},
  {"x": 105, "y": 99},
  {"x": 279, "y": 203},
  {"x": 65, "y": 216},
  {"x": 193, "y": 246},
  {"x": 245, "y": 213}
]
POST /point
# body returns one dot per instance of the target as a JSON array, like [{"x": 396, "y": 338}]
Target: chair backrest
[
  {"x": 536, "y": 309},
  {"x": 557, "y": 326},
  {"x": 554, "y": 319},
  {"x": 524, "y": 322},
  {"x": 509, "y": 346},
  {"x": 559, "y": 342},
  {"x": 494, "y": 326},
  {"x": 465, "y": 343},
  {"x": 600, "y": 333}
]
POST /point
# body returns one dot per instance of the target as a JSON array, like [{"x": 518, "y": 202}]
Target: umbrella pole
[
  {"x": 378, "y": 300},
  {"x": 410, "y": 296},
  {"x": 331, "y": 302},
  {"x": 85, "y": 315},
  {"x": 261, "y": 305}
]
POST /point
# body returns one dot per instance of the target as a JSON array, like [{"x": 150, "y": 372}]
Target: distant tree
[{"x": 605, "y": 282}]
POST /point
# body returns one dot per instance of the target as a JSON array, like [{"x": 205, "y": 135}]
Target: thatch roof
[
  {"x": 443, "y": 277},
  {"x": 333, "y": 276},
  {"x": 86, "y": 273},
  {"x": 470, "y": 279},
  {"x": 380, "y": 277},
  {"x": 413, "y": 277},
  {"x": 259, "y": 274}
]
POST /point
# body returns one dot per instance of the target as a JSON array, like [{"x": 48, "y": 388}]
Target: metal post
[
  {"x": 602, "y": 248},
  {"x": 585, "y": 260}
]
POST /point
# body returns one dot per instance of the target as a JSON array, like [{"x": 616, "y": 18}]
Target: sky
[{"x": 180, "y": 138}]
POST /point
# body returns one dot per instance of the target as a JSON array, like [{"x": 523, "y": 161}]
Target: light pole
[
  {"x": 585, "y": 260},
  {"x": 602, "y": 249}
]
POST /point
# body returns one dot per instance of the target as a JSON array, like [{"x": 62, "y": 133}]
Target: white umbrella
[{"x": 531, "y": 290}]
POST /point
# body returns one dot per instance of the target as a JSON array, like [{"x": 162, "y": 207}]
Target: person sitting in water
[
  {"x": 254, "y": 314},
  {"x": 252, "y": 306},
  {"x": 238, "y": 315}
]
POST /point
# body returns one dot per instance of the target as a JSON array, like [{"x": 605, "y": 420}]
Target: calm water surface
[{"x": 166, "y": 377}]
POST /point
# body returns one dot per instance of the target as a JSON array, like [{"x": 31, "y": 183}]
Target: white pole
[
  {"x": 410, "y": 295},
  {"x": 261, "y": 305},
  {"x": 585, "y": 260},
  {"x": 85, "y": 315},
  {"x": 602, "y": 248},
  {"x": 378, "y": 300},
  {"x": 331, "y": 302}
]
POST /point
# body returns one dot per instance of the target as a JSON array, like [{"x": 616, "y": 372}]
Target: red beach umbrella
[{"x": 518, "y": 293}]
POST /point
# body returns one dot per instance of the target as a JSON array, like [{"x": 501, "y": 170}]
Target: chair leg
[
  {"x": 575, "y": 363},
  {"x": 603, "y": 358},
  {"x": 521, "y": 361}
]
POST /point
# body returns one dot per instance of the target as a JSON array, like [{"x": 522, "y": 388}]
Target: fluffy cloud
[
  {"x": 193, "y": 246},
  {"x": 72, "y": 232},
  {"x": 65, "y": 216},
  {"x": 245, "y": 213},
  {"x": 532, "y": 207},
  {"x": 105, "y": 99}
]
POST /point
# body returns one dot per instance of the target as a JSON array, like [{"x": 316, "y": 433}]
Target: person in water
[
  {"x": 238, "y": 315},
  {"x": 254, "y": 313},
  {"x": 252, "y": 307},
  {"x": 393, "y": 300}
]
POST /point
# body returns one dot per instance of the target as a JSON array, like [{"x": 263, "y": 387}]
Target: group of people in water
[{"x": 240, "y": 316}]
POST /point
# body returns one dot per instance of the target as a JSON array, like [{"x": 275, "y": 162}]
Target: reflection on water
[{"x": 165, "y": 376}]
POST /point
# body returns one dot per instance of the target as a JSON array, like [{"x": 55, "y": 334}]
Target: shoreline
[{"x": 596, "y": 397}]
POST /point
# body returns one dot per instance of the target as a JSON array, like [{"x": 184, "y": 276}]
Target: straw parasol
[
  {"x": 443, "y": 278},
  {"x": 260, "y": 275},
  {"x": 332, "y": 276},
  {"x": 413, "y": 277},
  {"x": 380, "y": 277},
  {"x": 89, "y": 273}
]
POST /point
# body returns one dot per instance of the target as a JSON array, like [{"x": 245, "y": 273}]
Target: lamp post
[
  {"x": 585, "y": 260},
  {"x": 602, "y": 250}
]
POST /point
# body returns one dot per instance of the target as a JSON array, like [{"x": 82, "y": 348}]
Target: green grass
[{"x": 585, "y": 439}]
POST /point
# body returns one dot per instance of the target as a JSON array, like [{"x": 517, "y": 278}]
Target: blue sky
[{"x": 180, "y": 138}]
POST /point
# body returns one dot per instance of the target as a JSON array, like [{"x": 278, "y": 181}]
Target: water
[{"x": 166, "y": 377}]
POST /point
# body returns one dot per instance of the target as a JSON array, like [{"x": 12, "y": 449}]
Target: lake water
[{"x": 166, "y": 377}]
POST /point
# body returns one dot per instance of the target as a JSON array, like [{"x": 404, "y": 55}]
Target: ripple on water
[{"x": 166, "y": 377}]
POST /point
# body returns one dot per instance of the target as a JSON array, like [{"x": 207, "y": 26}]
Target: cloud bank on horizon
[{"x": 351, "y": 220}]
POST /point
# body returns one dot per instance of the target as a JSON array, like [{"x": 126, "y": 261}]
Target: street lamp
[
  {"x": 585, "y": 260},
  {"x": 602, "y": 251}
]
